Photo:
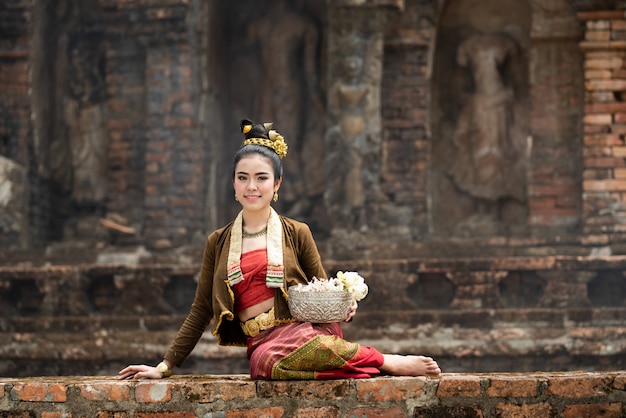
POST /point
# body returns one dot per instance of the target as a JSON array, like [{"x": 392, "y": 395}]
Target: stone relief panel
[
  {"x": 277, "y": 51},
  {"x": 486, "y": 164},
  {"x": 353, "y": 137},
  {"x": 347, "y": 137},
  {"x": 13, "y": 203},
  {"x": 79, "y": 154},
  {"x": 481, "y": 140}
]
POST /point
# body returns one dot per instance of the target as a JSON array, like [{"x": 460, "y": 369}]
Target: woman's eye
[{"x": 242, "y": 178}]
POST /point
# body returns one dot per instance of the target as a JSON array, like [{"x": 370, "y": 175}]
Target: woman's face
[{"x": 254, "y": 182}]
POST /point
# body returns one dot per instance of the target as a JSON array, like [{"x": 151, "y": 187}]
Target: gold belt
[{"x": 259, "y": 323}]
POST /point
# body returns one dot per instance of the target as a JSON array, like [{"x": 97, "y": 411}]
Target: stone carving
[
  {"x": 13, "y": 200},
  {"x": 347, "y": 138},
  {"x": 290, "y": 96},
  {"x": 88, "y": 146},
  {"x": 489, "y": 158},
  {"x": 79, "y": 161}
]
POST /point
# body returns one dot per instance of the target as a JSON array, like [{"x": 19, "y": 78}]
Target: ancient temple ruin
[{"x": 466, "y": 156}]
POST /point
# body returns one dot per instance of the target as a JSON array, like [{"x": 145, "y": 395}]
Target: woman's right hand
[{"x": 139, "y": 372}]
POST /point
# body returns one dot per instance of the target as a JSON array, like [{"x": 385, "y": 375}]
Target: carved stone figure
[
  {"x": 88, "y": 147},
  {"x": 345, "y": 141},
  {"x": 13, "y": 200},
  {"x": 289, "y": 96},
  {"x": 79, "y": 159},
  {"x": 487, "y": 155}
]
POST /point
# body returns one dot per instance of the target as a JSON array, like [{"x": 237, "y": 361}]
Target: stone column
[{"x": 353, "y": 134}]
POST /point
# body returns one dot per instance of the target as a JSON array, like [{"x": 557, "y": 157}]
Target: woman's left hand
[{"x": 352, "y": 312}]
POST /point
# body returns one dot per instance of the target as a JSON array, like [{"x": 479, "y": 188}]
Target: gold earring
[
  {"x": 275, "y": 196},
  {"x": 236, "y": 200}
]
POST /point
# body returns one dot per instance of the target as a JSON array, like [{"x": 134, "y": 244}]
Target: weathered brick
[
  {"x": 505, "y": 386},
  {"x": 39, "y": 392},
  {"x": 578, "y": 386},
  {"x": 56, "y": 415},
  {"x": 111, "y": 414},
  {"x": 458, "y": 385},
  {"x": 269, "y": 412},
  {"x": 619, "y": 117},
  {"x": 318, "y": 389},
  {"x": 599, "y": 162},
  {"x": 618, "y": 24},
  {"x": 595, "y": 129},
  {"x": 598, "y": 25},
  {"x": 604, "y": 185},
  {"x": 506, "y": 410},
  {"x": 391, "y": 412},
  {"x": 619, "y": 129},
  {"x": 17, "y": 414},
  {"x": 99, "y": 391},
  {"x": 619, "y": 152},
  {"x": 620, "y": 382},
  {"x": 448, "y": 411},
  {"x": 600, "y": 96},
  {"x": 594, "y": 74},
  {"x": 609, "y": 410},
  {"x": 153, "y": 392},
  {"x": 598, "y": 35},
  {"x": 220, "y": 390},
  {"x": 317, "y": 412},
  {"x": 619, "y": 73},
  {"x": 397, "y": 389},
  {"x": 598, "y": 119},
  {"x": 610, "y": 85},
  {"x": 177, "y": 414}
]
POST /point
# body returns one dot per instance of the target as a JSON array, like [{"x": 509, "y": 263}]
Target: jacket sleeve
[
  {"x": 308, "y": 255},
  {"x": 201, "y": 310}
]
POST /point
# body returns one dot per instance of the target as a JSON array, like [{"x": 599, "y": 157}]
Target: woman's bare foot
[{"x": 399, "y": 365}]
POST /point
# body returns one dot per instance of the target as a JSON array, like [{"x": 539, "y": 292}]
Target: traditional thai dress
[
  {"x": 289, "y": 349},
  {"x": 298, "y": 350}
]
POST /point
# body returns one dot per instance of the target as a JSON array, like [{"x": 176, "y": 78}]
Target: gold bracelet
[{"x": 162, "y": 367}]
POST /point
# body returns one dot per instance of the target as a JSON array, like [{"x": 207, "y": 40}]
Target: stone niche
[
  {"x": 500, "y": 70},
  {"x": 13, "y": 203}
]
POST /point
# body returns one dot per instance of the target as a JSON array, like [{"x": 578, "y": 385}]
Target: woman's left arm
[
  {"x": 311, "y": 263},
  {"x": 308, "y": 256}
]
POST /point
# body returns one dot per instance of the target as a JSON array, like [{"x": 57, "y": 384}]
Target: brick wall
[
  {"x": 564, "y": 395},
  {"x": 404, "y": 104},
  {"x": 156, "y": 154},
  {"x": 516, "y": 314},
  {"x": 604, "y": 176},
  {"x": 15, "y": 107},
  {"x": 554, "y": 191}
]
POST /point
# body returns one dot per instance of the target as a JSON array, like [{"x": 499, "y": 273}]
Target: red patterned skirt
[{"x": 302, "y": 350}]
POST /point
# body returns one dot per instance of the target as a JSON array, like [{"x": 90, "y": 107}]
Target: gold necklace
[{"x": 256, "y": 234}]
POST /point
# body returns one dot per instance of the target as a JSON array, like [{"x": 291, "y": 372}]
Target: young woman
[{"x": 246, "y": 269}]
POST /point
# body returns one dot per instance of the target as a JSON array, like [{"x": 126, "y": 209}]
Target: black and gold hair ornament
[{"x": 263, "y": 134}]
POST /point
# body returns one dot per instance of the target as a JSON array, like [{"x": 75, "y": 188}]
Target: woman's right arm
[
  {"x": 194, "y": 325},
  {"x": 200, "y": 313}
]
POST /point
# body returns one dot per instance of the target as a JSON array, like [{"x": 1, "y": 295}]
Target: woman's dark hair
[{"x": 277, "y": 164}]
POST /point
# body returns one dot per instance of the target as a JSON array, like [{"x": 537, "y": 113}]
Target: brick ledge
[{"x": 468, "y": 395}]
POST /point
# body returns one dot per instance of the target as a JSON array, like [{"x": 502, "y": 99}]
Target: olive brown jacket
[{"x": 214, "y": 299}]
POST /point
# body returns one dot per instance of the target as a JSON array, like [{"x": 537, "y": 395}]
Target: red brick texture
[
  {"x": 604, "y": 149},
  {"x": 488, "y": 395}
]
